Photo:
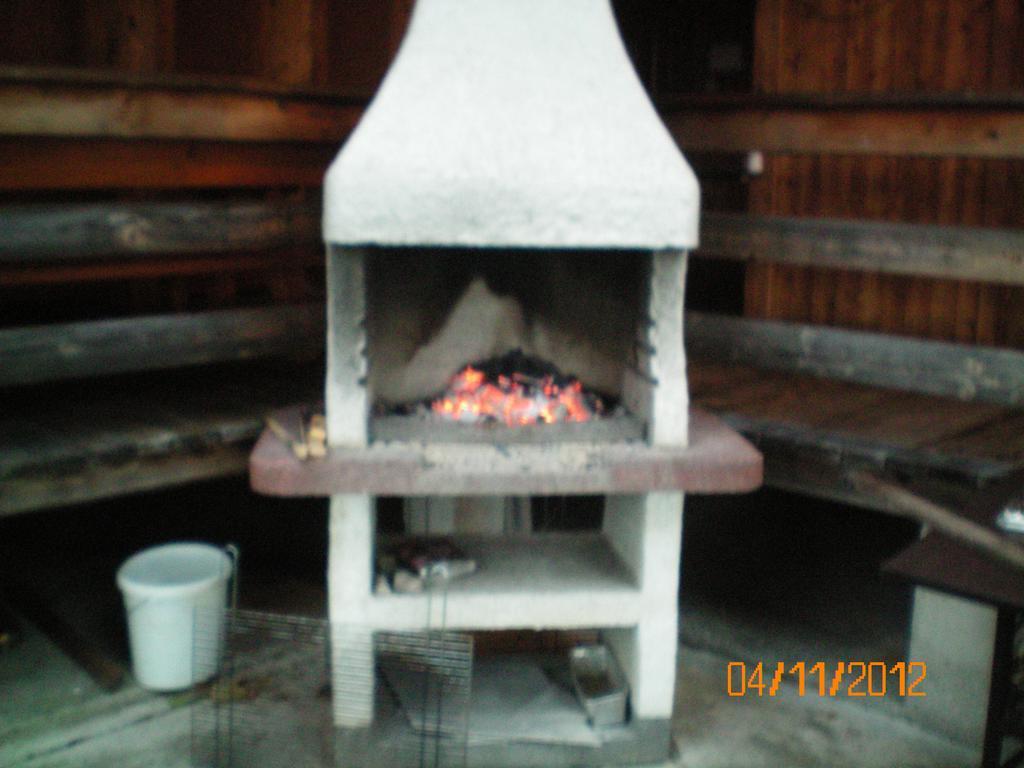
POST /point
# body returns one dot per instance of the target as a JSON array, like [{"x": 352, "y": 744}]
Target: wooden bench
[
  {"x": 153, "y": 179},
  {"x": 101, "y": 407},
  {"x": 826, "y": 405},
  {"x": 822, "y": 401}
]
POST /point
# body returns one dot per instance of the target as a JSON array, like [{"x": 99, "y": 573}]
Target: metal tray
[{"x": 599, "y": 684}]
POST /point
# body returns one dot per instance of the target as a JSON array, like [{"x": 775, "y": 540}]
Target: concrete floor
[
  {"x": 740, "y": 560},
  {"x": 52, "y": 717},
  {"x": 714, "y": 730}
]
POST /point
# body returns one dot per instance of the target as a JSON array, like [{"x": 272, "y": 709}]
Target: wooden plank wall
[
  {"x": 340, "y": 45},
  {"x": 880, "y": 47},
  {"x": 257, "y": 72},
  {"x": 339, "y": 48}
]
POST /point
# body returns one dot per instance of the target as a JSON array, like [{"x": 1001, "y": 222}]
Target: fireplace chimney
[{"x": 512, "y": 123}]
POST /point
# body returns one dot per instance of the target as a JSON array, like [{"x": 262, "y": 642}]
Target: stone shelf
[
  {"x": 569, "y": 580},
  {"x": 717, "y": 460}
]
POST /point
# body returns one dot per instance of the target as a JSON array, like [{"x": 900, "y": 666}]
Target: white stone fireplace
[{"x": 511, "y": 187}]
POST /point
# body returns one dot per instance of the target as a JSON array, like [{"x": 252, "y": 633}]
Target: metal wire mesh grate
[
  {"x": 270, "y": 704},
  {"x": 423, "y": 698},
  {"x": 292, "y": 691},
  {"x": 404, "y": 695}
]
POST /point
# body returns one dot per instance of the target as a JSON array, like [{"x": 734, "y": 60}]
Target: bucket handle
[{"x": 232, "y": 551}]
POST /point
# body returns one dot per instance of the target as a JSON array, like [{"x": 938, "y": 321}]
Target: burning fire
[{"x": 517, "y": 400}]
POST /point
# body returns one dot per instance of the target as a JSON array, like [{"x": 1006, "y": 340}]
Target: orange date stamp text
[{"x": 841, "y": 678}]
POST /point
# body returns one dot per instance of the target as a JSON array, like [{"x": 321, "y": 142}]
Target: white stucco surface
[{"x": 517, "y": 123}]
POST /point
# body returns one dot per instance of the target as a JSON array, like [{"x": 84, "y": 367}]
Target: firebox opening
[
  {"x": 514, "y": 390},
  {"x": 503, "y": 337}
]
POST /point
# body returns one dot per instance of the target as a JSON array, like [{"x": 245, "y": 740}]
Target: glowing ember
[{"x": 516, "y": 400}]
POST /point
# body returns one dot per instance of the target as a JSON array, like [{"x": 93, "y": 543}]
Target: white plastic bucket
[{"x": 175, "y": 596}]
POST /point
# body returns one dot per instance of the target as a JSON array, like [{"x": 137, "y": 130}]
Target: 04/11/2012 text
[{"x": 840, "y": 678}]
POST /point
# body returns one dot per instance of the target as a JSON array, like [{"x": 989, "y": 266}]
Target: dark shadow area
[
  {"x": 774, "y": 576},
  {"x": 59, "y": 566}
]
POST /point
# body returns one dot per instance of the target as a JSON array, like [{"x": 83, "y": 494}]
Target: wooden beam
[
  {"x": 932, "y": 367},
  {"x": 53, "y": 109},
  {"x": 149, "y": 432},
  {"x": 816, "y": 101},
  {"x": 942, "y": 519},
  {"x": 91, "y": 479},
  {"x": 855, "y": 129},
  {"x": 64, "y": 77},
  {"x": 148, "y": 269},
  {"x": 79, "y": 350},
  {"x": 954, "y": 253},
  {"x": 33, "y": 233},
  {"x": 818, "y": 463},
  {"x": 36, "y": 164},
  {"x": 41, "y": 102},
  {"x": 800, "y": 457}
]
